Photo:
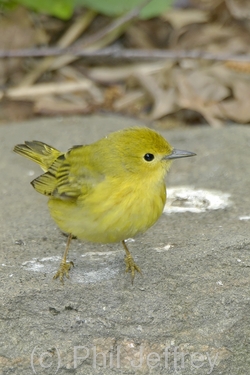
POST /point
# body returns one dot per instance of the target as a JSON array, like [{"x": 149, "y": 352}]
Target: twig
[
  {"x": 103, "y": 37},
  {"x": 41, "y": 89},
  {"x": 100, "y": 38},
  {"x": 125, "y": 54},
  {"x": 71, "y": 34},
  {"x": 113, "y": 25}
]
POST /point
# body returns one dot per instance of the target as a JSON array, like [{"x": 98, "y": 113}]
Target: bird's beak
[{"x": 176, "y": 154}]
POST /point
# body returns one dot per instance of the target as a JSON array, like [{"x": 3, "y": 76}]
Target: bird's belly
[{"x": 116, "y": 217}]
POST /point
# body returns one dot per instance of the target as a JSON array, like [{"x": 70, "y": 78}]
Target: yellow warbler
[{"x": 107, "y": 191}]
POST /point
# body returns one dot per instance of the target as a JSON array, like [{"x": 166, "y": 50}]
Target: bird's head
[{"x": 143, "y": 151}]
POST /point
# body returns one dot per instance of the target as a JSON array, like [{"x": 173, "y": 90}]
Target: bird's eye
[{"x": 149, "y": 157}]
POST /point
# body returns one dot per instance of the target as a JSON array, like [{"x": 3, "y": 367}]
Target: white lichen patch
[
  {"x": 244, "y": 218},
  {"x": 49, "y": 265},
  {"x": 164, "y": 248},
  {"x": 97, "y": 254},
  {"x": 188, "y": 199},
  {"x": 46, "y": 264}
]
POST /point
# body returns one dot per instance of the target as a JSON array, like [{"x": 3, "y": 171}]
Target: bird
[{"x": 107, "y": 191}]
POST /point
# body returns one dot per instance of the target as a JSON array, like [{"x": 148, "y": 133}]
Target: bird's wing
[
  {"x": 39, "y": 152},
  {"x": 65, "y": 179}
]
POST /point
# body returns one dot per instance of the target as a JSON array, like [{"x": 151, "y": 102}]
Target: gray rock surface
[{"x": 188, "y": 314}]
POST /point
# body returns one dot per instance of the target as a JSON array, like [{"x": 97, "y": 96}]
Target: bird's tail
[{"x": 39, "y": 152}]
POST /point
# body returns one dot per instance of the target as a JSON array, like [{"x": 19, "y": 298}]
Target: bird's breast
[{"x": 113, "y": 211}]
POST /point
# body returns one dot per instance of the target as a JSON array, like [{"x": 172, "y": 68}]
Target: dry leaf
[
  {"x": 189, "y": 99},
  {"x": 239, "y": 9},
  {"x": 16, "y": 32},
  {"x": 113, "y": 74},
  {"x": 128, "y": 99},
  {"x": 206, "y": 87},
  {"x": 215, "y": 90},
  {"x": 50, "y": 105},
  {"x": 241, "y": 90},
  {"x": 164, "y": 100},
  {"x": 236, "y": 110},
  {"x": 179, "y": 18},
  {"x": 44, "y": 89}
]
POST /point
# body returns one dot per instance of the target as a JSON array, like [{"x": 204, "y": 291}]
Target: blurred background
[{"x": 173, "y": 62}]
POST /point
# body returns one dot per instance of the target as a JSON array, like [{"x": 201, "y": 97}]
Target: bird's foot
[
  {"x": 63, "y": 270},
  {"x": 131, "y": 266}
]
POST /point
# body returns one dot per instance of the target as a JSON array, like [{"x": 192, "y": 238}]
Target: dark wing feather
[{"x": 66, "y": 179}]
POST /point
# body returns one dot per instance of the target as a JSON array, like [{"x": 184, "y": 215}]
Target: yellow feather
[{"x": 108, "y": 191}]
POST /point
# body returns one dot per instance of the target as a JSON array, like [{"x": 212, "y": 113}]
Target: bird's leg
[
  {"x": 64, "y": 266},
  {"x": 130, "y": 263}
]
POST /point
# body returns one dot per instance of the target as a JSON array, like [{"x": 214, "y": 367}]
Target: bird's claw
[
  {"x": 63, "y": 270},
  {"x": 131, "y": 266}
]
